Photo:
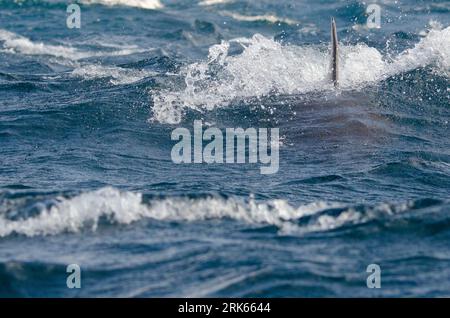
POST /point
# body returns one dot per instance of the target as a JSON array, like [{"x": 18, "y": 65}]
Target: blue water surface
[{"x": 86, "y": 175}]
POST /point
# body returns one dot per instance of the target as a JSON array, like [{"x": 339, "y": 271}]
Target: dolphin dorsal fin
[{"x": 334, "y": 54}]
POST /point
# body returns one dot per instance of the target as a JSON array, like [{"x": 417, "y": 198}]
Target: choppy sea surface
[{"x": 86, "y": 175}]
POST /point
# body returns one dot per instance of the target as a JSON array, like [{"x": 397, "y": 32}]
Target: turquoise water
[{"x": 86, "y": 174}]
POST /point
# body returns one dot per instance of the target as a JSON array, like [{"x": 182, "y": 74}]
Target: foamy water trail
[
  {"x": 121, "y": 207},
  {"x": 267, "y": 67},
  {"x": 71, "y": 57}
]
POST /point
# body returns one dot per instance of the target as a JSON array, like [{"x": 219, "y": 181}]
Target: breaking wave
[
  {"x": 118, "y": 75},
  {"x": 213, "y": 2},
  {"x": 271, "y": 18},
  {"x": 89, "y": 209},
  {"x": 15, "y": 43},
  {"x": 267, "y": 67},
  {"x": 143, "y": 4},
  {"x": 72, "y": 57}
]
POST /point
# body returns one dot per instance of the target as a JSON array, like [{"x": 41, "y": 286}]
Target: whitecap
[
  {"x": 71, "y": 57},
  {"x": 85, "y": 211},
  {"x": 143, "y": 4}
]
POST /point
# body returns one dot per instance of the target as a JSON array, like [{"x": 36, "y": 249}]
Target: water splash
[{"x": 267, "y": 67}]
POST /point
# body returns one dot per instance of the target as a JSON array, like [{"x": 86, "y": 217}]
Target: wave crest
[
  {"x": 72, "y": 57},
  {"x": 143, "y": 4},
  {"x": 89, "y": 209}
]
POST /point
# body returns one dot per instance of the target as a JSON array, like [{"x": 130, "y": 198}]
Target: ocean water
[{"x": 86, "y": 175}]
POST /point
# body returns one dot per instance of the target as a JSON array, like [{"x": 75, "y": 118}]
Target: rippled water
[{"x": 86, "y": 175}]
